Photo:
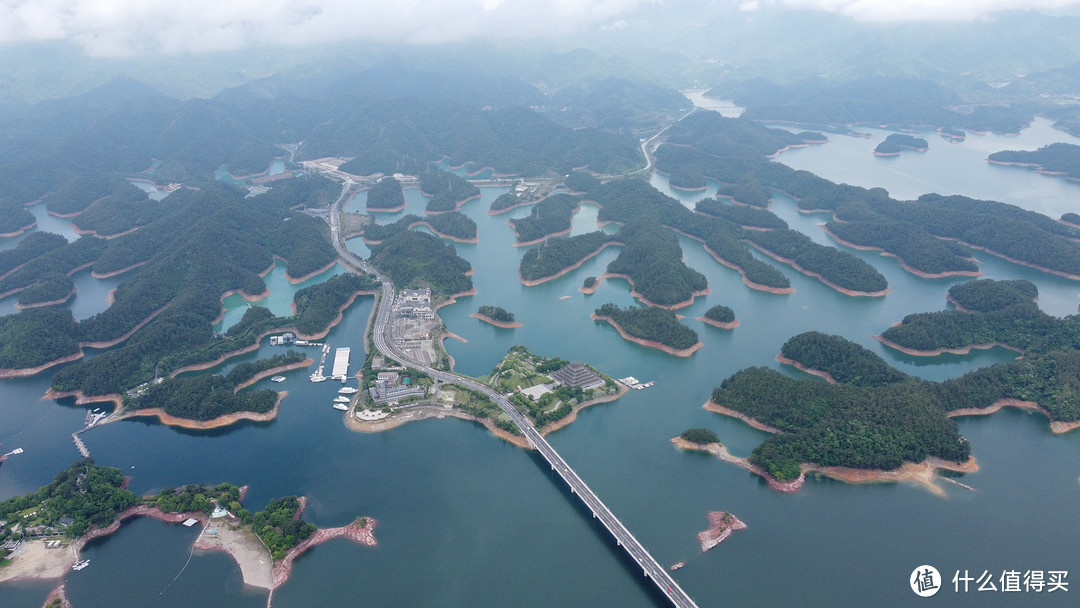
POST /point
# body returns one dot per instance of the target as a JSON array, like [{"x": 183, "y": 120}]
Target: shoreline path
[{"x": 623, "y": 537}]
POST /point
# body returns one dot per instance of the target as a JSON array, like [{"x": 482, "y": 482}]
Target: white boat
[
  {"x": 348, "y": 390},
  {"x": 341, "y": 399},
  {"x": 277, "y": 379},
  {"x": 341, "y": 406},
  {"x": 82, "y": 563},
  {"x": 317, "y": 377}
]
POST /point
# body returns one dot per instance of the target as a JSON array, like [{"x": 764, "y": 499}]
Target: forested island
[
  {"x": 652, "y": 261},
  {"x": 549, "y": 217},
  {"x": 916, "y": 232},
  {"x": 742, "y": 215},
  {"x": 871, "y": 416},
  {"x": 719, "y": 316},
  {"x": 87, "y": 501},
  {"x": 896, "y": 143},
  {"x": 448, "y": 191},
  {"x": 497, "y": 316},
  {"x": 385, "y": 195},
  {"x": 414, "y": 259},
  {"x": 555, "y": 257},
  {"x": 452, "y": 225},
  {"x": 651, "y": 326},
  {"x": 1054, "y": 159},
  {"x": 631, "y": 201},
  {"x": 14, "y": 218}
]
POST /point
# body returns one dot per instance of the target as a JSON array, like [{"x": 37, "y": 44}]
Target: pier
[
  {"x": 79, "y": 445},
  {"x": 637, "y": 552}
]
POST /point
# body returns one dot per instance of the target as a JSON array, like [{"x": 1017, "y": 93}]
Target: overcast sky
[{"x": 125, "y": 27}]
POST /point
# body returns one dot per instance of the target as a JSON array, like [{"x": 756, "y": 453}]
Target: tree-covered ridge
[
  {"x": 31, "y": 246},
  {"x": 548, "y": 217},
  {"x": 118, "y": 213},
  {"x": 870, "y": 218},
  {"x": 87, "y": 493},
  {"x": 897, "y": 142},
  {"x": 213, "y": 241},
  {"x": 403, "y": 135},
  {"x": 243, "y": 372},
  {"x": 385, "y": 194},
  {"x": 201, "y": 398},
  {"x": 866, "y": 427},
  {"x": 279, "y": 525},
  {"x": 754, "y": 195},
  {"x": 36, "y": 336},
  {"x": 65, "y": 258},
  {"x": 717, "y": 135},
  {"x": 557, "y": 254},
  {"x": 199, "y": 498},
  {"x": 700, "y": 436},
  {"x": 652, "y": 258},
  {"x": 318, "y": 305},
  {"x": 415, "y": 259},
  {"x": 1060, "y": 158},
  {"x": 842, "y": 359},
  {"x": 505, "y": 201},
  {"x": 651, "y": 323},
  {"x": 14, "y": 217},
  {"x": 496, "y": 313},
  {"x": 720, "y": 314},
  {"x": 453, "y": 224},
  {"x": 50, "y": 287},
  {"x": 895, "y": 101},
  {"x": 988, "y": 295},
  {"x": 740, "y": 215},
  {"x": 1000, "y": 312},
  {"x": 632, "y": 200},
  {"x": 833, "y": 265},
  {"x": 447, "y": 190}
]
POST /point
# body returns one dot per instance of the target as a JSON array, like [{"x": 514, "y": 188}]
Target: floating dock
[
  {"x": 635, "y": 384},
  {"x": 341, "y": 364}
]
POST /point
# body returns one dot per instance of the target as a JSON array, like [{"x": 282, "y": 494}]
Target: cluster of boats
[{"x": 341, "y": 402}]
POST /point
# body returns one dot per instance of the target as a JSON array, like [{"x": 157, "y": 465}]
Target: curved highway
[{"x": 649, "y": 566}]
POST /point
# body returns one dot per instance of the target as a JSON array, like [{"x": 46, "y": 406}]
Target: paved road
[{"x": 650, "y": 567}]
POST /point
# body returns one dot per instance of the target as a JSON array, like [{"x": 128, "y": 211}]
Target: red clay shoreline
[
  {"x": 20, "y": 306},
  {"x": 20, "y": 230},
  {"x": 940, "y": 351},
  {"x": 843, "y": 290},
  {"x": 903, "y": 264},
  {"x": 678, "y": 352},
  {"x": 643, "y": 299},
  {"x": 813, "y": 372},
  {"x": 502, "y": 324},
  {"x": 1056, "y": 426},
  {"x": 736, "y": 267},
  {"x": 721, "y": 325},
  {"x": 596, "y": 252},
  {"x": 924, "y": 473}
]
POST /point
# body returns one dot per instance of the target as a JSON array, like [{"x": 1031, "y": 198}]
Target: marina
[
  {"x": 317, "y": 375},
  {"x": 634, "y": 383},
  {"x": 341, "y": 364}
]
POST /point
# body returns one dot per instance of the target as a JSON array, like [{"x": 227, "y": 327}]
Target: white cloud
[
  {"x": 924, "y": 10},
  {"x": 125, "y": 27}
]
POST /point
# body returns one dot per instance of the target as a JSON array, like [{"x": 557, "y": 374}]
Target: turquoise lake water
[{"x": 466, "y": 519}]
